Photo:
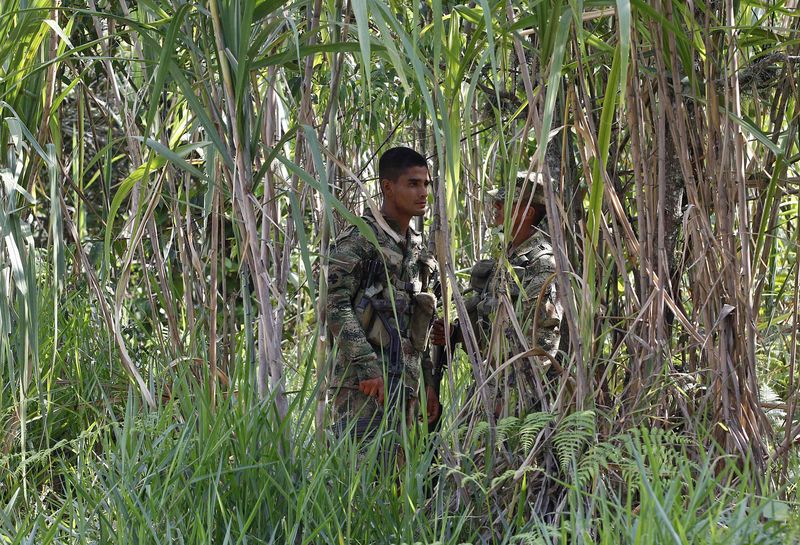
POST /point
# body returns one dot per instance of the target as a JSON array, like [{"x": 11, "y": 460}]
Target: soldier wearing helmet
[{"x": 521, "y": 280}]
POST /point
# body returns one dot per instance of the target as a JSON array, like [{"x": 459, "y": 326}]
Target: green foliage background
[{"x": 172, "y": 175}]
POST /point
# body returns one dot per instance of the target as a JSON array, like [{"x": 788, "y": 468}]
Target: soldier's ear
[
  {"x": 533, "y": 215},
  {"x": 530, "y": 213},
  {"x": 386, "y": 186},
  {"x": 539, "y": 212}
]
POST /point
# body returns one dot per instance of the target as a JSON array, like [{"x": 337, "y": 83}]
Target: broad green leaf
[
  {"x": 15, "y": 124},
  {"x": 165, "y": 61},
  {"x": 624, "y": 15},
  {"x": 263, "y": 8},
  {"x": 127, "y": 185},
  {"x": 361, "y": 11},
  {"x": 56, "y": 222},
  {"x": 176, "y": 157}
]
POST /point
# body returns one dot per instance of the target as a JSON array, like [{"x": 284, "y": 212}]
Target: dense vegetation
[{"x": 171, "y": 178}]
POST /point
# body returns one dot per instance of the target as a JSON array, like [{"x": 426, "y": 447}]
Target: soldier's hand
[
  {"x": 432, "y": 404},
  {"x": 437, "y": 333},
  {"x": 372, "y": 387}
]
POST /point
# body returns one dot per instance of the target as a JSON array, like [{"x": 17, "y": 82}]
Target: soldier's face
[
  {"x": 409, "y": 193},
  {"x": 521, "y": 214}
]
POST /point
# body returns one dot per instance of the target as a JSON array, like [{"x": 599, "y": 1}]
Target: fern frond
[
  {"x": 571, "y": 435},
  {"x": 507, "y": 428},
  {"x": 539, "y": 534},
  {"x": 598, "y": 456},
  {"x": 476, "y": 478},
  {"x": 530, "y": 538},
  {"x": 665, "y": 450},
  {"x": 533, "y": 424},
  {"x": 481, "y": 429},
  {"x": 506, "y": 475}
]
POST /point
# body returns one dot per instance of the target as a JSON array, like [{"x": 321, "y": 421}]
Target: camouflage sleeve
[
  {"x": 344, "y": 279},
  {"x": 539, "y": 282}
]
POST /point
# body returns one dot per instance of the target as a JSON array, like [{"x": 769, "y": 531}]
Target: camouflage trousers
[{"x": 362, "y": 417}]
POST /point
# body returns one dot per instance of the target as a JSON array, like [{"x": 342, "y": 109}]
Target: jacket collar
[
  {"x": 411, "y": 234},
  {"x": 540, "y": 234}
]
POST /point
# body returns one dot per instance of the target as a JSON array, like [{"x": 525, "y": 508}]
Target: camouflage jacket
[
  {"x": 533, "y": 265},
  {"x": 356, "y": 286}
]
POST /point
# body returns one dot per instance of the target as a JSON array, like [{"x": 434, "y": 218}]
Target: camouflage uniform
[
  {"x": 533, "y": 264},
  {"x": 531, "y": 290},
  {"x": 360, "y": 306}
]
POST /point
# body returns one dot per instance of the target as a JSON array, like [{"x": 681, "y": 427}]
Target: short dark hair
[{"x": 395, "y": 161}]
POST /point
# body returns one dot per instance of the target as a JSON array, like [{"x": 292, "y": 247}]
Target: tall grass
[
  {"x": 193, "y": 472},
  {"x": 173, "y": 173}
]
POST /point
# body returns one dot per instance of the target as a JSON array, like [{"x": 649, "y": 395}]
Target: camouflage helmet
[{"x": 529, "y": 182}]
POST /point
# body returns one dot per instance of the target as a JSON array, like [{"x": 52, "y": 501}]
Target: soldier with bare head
[{"x": 380, "y": 305}]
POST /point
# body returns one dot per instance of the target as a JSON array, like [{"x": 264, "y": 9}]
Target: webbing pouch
[
  {"x": 375, "y": 328},
  {"x": 481, "y": 271},
  {"x": 421, "y": 318}
]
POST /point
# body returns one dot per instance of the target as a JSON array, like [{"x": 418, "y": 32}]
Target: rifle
[
  {"x": 439, "y": 367},
  {"x": 394, "y": 373},
  {"x": 385, "y": 311}
]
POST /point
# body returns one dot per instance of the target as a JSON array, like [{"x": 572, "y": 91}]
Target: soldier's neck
[
  {"x": 520, "y": 237},
  {"x": 399, "y": 222},
  {"x": 525, "y": 232}
]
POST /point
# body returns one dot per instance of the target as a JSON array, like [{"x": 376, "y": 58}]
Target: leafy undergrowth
[{"x": 188, "y": 473}]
